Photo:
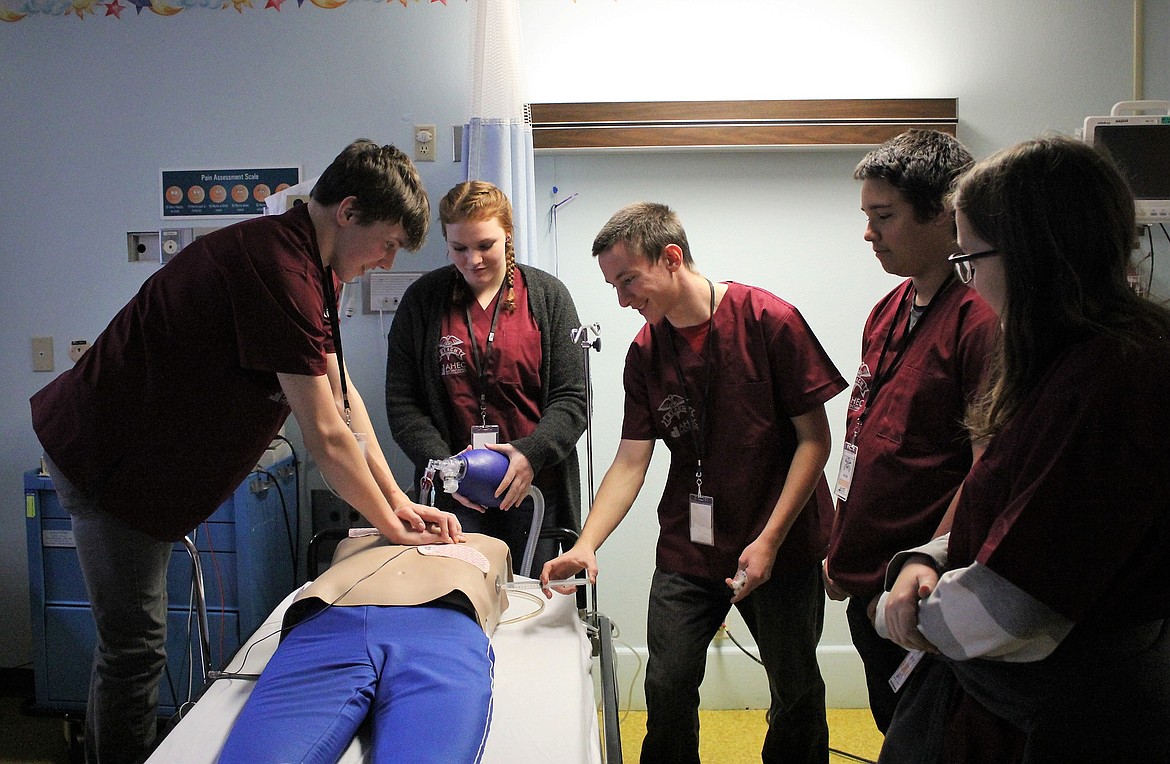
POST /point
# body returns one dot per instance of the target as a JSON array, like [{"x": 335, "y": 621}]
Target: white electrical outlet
[
  {"x": 386, "y": 289},
  {"x": 424, "y": 143}
]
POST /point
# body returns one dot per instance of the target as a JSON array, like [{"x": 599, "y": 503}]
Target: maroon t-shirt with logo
[
  {"x": 767, "y": 368},
  {"x": 512, "y": 378},
  {"x": 177, "y": 399}
]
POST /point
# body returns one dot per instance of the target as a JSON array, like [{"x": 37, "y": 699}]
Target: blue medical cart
[{"x": 246, "y": 551}]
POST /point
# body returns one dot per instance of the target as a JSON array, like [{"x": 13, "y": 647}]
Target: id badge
[
  {"x": 482, "y": 434},
  {"x": 845, "y": 474},
  {"x": 702, "y": 520},
  {"x": 903, "y": 673}
]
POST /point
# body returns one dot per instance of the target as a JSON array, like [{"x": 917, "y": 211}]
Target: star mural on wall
[
  {"x": 15, "y": 10},
  {"x": 80, "y": 8}
]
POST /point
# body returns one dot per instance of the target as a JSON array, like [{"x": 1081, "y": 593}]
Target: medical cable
[
  {"x": 213, "y": 675},
  {"x": 296, "y": 531},
  {"x": 529, "y": 595},
  {"x": 288, "y": 532},
  {"x": 633, "y": 678},
  {"x": 517, "y": 585},
  {"x": 742, "y": 649}
]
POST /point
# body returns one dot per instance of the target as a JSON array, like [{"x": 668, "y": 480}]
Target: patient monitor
[{"x": 1140, "y": 145}]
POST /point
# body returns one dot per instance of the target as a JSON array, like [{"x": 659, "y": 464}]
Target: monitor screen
[
  {"x": 1140, "y": 146},
  {"x": 1143, "y": 154}
]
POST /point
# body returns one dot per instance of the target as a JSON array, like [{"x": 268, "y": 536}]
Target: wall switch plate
[
  {"x": 424, "y": 143},
  {"x": 42, "y": 353}
]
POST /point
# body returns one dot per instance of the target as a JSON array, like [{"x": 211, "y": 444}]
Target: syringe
[{"x": 513, "y": 585}]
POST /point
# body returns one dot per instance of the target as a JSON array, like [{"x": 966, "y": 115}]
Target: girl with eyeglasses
[{"x": 1048, "y": 599}]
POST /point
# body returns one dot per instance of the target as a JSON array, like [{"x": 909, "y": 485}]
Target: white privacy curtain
[{"x": 497, "y": 145}]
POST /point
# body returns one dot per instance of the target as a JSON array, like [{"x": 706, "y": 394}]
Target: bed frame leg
[{"x": 611, "y": 726}]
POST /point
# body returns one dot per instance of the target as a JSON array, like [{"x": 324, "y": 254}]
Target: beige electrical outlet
[
  {"x": 424, "y": 143},
  {"x": 42, "y": 353}
]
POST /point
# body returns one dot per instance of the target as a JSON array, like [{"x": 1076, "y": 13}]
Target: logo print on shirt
[
  {"x": 679, "y": 417},
  {"x": 451, "y": 356},
  {"x": 860, "y": 387}
]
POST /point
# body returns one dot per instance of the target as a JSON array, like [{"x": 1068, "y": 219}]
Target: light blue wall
[{"x": 91, "y": 110}]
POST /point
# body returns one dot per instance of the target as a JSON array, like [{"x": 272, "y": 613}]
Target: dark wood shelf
[{"x": 715, "y": 124}]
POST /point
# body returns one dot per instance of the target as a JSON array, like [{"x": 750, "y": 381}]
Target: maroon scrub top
[
  {"x": 177, "y": 399},
  {"x": 768, "y": 367},
  {"x": 913, "y": 449},
  {"x": 513, "y": 370}
]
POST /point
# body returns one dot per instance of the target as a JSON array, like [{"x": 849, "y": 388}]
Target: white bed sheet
[{"x": 544, "y": 708}]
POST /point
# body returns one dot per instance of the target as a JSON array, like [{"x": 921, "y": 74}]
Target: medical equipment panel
[{"x": 1140, "y": 145}]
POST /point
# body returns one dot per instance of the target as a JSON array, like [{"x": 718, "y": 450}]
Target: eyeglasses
[{"x": 965, "y": 264}]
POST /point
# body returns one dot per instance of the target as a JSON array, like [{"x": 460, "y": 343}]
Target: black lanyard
[
  {"x": 880, "y": 379},
  {"x": 335, "y": 326},
  {"x": 698, "y": 425},
  {"x": 481, "y": 367}
]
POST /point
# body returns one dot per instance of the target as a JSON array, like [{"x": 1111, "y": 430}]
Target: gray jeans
[
  {"x": 125, "y": 574},
  {"x": 785, "y": 616}
]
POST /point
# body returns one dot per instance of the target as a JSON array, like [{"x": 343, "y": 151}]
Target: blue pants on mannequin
[{"x": 421, "y": 674}]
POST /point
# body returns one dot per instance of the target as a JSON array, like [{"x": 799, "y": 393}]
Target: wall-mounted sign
[{"x": 222, "y": 193}]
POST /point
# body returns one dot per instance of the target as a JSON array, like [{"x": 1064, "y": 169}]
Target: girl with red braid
[{"x": 484, "y": 346}]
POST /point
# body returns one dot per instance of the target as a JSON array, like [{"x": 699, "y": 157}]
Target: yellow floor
[{"x": 732, "y": 737}]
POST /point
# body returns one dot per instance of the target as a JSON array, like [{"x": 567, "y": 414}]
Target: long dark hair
[{"x": 1062, "y": 218}]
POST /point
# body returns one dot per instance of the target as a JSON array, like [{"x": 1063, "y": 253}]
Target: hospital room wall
[
  {"x": 93, "y": 110},
  {"x": 789, "y": 220}
]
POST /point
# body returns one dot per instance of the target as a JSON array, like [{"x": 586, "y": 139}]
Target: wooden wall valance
[{"x": 715, "y": 124}]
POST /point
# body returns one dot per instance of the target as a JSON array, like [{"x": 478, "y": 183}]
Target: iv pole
[
  {"x": 580, "y": 336},
  {"x": 600, "y": 623}
]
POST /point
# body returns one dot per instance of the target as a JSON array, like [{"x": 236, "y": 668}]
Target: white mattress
[{"x": 543, "y": 701}]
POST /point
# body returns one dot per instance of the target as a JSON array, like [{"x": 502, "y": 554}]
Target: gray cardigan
[{"x": 419, "y": 409}]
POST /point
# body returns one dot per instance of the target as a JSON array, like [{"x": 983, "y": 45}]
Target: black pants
[
  {"x": 881, "y": 659},
  {"x": 785, "y": 616}
]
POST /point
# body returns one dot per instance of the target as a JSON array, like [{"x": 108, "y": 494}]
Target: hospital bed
[{"x": 544, "y": 695}]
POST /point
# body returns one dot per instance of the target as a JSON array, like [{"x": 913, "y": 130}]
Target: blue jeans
[
  {"x": 422, "y": 675},
  {"x": 785, "y": 615},
  {"x": 125, "y": 574}
]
